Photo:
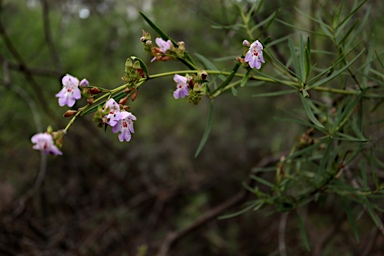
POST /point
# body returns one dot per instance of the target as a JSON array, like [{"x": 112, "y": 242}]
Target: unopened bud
[
  {"x": 149, "y": 42},
  {"x": 84, "y": 82},
  {"x": 90, "y": 101},
  {"x": 94, "y": 90},
  {"x": 127, "y": 90},
  {"x": 142, "y": 39},
  {"x": 203, "y": 75},
  {"x": 70, "y": 113},
  {"x": 181, "y": 45},
  {"x": 246, "y": 43},
  {"x": 134, "y": 95},
  {"x": 123, "y": 100},
  {"x": 125, "y": 107},
  {"x": 136, "y": 65}
]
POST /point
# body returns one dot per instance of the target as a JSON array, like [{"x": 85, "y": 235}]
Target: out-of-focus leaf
[
  {"x": 303, "y": 232},
  {"x": 271, "y": 94},
  {"x": 351, "y": 219},
  {"x": 334, "y": 74},
  {"x": 207, "y": 130},
  {"x": 309, "y": 111}
]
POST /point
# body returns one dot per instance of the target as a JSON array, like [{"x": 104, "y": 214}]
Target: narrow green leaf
[
  {"x": 296, "y": 64},
  {"x": 208, "y": 64},
  {"x": 207, "y": 130},
  {"x": 309, "y": 111},
  {"x": 363, "y": 168},
  {"x": 229, "y": 78},
  {"x": 271, "y": 94},
  {"x": 373, "y": 167},
  {"x": 338, "y": 14},
  {"x": 246, "y": 209},
  {"x": 234, "y": 91},
  {"x": 351, "y": 219},
  {"x": 302, "y": 59},
  {"x": 336, "y": 73},
  {"x": 269, "y": 20},
  {"x": 301, "y": 29},
  {"x": 346, "y": 35},
  {"x": 371, "y": 211},
  {"x": 262, "y": 181},
  {"x": 325, "y": 159},
  {"x": 308, "y": 67},
  {"x": 245, "y": 79},
  {"x": 303, "y": 232},
  {"x": 162, "y": 34},
  {"x": 350, "y": 15}
]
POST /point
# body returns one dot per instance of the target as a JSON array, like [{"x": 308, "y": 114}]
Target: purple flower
[
  {"x": 114, "y": 114},
  {"x": 164, "y": 46},
  {"x": 70, "y": 91},
  {"x": 254, "y": 55},
  {"x": 125, "y": 126},
  {"x": 44, "y": 142},
  {"x": 181, "y": 87}
]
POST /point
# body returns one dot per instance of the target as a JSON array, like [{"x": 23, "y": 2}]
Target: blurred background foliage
[{"x": 104, "y": 197}]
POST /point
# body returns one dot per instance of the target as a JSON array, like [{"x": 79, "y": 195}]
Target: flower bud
[
  {"x": 84, "y": 83},
  {"x": 134, "y": 95},
  {"x": 94, "y": 90},
  {"x": 136, "y": 65},
  {"x": 246, "y": 43},
  {"x": 90, "y": 101},
  {"x": 203, "y": 75},
  {"x": 70, "y": 113},
  {"x": 123, "y": 100}
]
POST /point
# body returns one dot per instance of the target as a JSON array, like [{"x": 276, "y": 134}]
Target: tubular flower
[
  {"x": 164, "y": 46},
  {"x": 125, "y": 126},
  {"x": 114, "y": 114},
  {"x": 70, "y": 91},
  {"x": 254, "y": 56},
  {"x": 160, "y": 51},
  {"x": 181, "y": 87},
  {"x": 44, "y": 142}
]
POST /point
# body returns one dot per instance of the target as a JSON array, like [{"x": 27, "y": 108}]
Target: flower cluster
[
  {"x": 70, "y": 91},
  {"x": 120, "y": 121},
  {"x": 44, "y": 142},
  {"x": 115, "y": 114}
]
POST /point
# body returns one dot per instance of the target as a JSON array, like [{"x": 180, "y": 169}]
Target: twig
[
  {"x": 177, "y": 235},
  {"x": 48, "y": 36},
  {"x": 43, "y": 158},
  {"x": 27, "y": 73},
  {"x": 282, "y": 226},
  {"x": 238, "y": 198}
]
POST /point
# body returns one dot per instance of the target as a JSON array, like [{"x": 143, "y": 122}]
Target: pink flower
[
  {"x": 254, "y": 56},
  {"x": 44, "y": 142},
  {"x": 164, "y": 46},
  {"x": 114, "y": 114},
  {"x": 70, "y": 91},
  {"x": 181, "y": 87},
  {"x": 125, "y": 126}
]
